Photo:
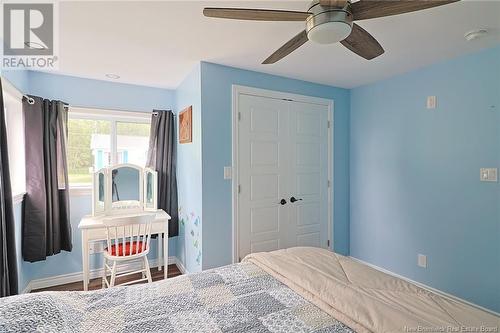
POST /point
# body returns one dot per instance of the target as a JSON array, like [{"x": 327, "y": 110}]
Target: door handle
[
  {"x": 282, "y": 202},
  {"x": 292, "y": 199}
]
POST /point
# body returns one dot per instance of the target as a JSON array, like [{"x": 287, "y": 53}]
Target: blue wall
[
  {"x": 99, "y": 94},
  {"x": 189, "y": 176},
  {"x": 216, "y": 96},
  {"x": 415, "y": 176},
  {"x": 87, "y": 93}
]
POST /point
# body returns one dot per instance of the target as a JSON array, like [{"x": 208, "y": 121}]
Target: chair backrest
[{"x": 131, "y": 230}]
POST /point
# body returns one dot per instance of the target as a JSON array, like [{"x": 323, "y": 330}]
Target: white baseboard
[
  {"x": 426, "y": 287},
  {"x": 94, "y": 273},
  {"x": 181, "y": 266}
]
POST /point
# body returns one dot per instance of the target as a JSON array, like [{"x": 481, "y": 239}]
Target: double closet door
[{"x": 283, "y": 174}]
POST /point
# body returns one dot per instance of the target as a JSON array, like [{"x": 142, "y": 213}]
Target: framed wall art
[{"x": 186, "y": 125}]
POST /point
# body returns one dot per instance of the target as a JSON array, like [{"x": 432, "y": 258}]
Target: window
[
  {"x": 14, "y": 122},
  {"x": 99, "y": 138},
  {"x": 88, "y": 142}
]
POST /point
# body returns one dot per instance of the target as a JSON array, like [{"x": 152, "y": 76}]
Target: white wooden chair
[{"x": 128, "y": 239}]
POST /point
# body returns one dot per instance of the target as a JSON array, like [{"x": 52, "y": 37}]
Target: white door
[
  {"x": 263, "y": 167},
  {"x": 282, "y": 153},
  {"x": 308, "y": 175}
]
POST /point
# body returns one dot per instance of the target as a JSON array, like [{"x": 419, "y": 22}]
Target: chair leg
[
  {"x": 113, "y": 275},
  {"x": 148, "y": 271},
  {"x": 104, "y": 273}
]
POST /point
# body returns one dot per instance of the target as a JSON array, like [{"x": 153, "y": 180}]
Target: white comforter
[{"x": 368, "y": 300}]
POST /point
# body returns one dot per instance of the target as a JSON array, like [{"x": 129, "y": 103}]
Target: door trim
[{"x": 238, "y": 90}]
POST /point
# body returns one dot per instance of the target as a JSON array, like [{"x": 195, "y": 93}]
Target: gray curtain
[
  {"x": 8, "y": 262},
  {"x": 161, "y": 157},
  {"x": 46, "y": 221}
]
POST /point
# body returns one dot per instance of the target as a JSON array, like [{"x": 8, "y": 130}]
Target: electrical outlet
[
  {"x": 431, "y": 102},
  {"x": 422, "y": 260},
  {"x": 228, "y": 172},
  {"x": 96, "y": 247}
]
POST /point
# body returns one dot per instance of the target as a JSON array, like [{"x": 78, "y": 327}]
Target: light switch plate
[
  {"x": 422, "y": 260},
  {"x": 488, "y": 174},
  {"x": 228, "y": 172}
]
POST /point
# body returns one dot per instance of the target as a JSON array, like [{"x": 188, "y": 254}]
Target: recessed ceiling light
[
  {"x": 35, "y": 46},
  {"x": 475, "y": 34},
  {"x": 112, "y": 76}
]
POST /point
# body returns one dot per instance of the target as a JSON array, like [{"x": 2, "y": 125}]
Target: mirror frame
[
  {"x": 155, "y": 189},
  {"x": 109, "y": 202},
  {"x": 95, "y": 197},
  {"x": 108, "y": 182}
]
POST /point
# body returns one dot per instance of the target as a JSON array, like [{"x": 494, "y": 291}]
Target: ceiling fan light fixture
[
  {"x": 329, "y": 32},
  {"x": 328, "y": 27}
]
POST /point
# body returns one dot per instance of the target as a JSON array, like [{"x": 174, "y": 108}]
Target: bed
[{"x": 292, "y": 290}]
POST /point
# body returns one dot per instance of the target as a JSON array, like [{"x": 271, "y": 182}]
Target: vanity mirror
[
  {"x": 99, "y": 192},
  {"x": 150, "y": 189},
  {"x": 124, "y": 188}
]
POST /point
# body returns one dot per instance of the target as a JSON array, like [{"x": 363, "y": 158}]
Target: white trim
[
  {"x": 426, "y": 287},
  {"x": 18, "y": 198},
  {"x": 237, "y": 90},
  {"x": 27, "y": 289},
  {"x": 108, "y": 114},
  {"x": 181, "y": 266},
  {"x": 94, "y": 273}
]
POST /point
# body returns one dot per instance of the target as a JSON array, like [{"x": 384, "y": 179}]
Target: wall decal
[{"x": 191, "y": 222}]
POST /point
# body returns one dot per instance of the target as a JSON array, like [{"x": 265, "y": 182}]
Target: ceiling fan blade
[
  {"x": 362, "y": 43},
  {"x": 287, "y": 48},
  {"x": 255, "y": 14},
  {"x": 333, "y": 3},
  {"x": 367, "y": 9}
]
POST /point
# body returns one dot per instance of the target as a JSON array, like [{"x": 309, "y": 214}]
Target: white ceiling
[{"x": 158, "y": 43}]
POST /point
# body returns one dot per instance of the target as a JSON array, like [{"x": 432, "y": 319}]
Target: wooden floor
[{"x": 97, "y": 283}]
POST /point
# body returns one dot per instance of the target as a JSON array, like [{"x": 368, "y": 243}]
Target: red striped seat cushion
[{"x": 134, "y": 246}]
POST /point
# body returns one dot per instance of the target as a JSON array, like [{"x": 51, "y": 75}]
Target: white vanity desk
[
  {"x": 93, "y": 230},
  {"x": 123, "y": 190}
]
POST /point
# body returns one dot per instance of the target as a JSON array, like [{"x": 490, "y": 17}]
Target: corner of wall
[{"x": 189, "y": 175}]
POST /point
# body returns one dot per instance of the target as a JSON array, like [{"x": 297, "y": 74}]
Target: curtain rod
[
  {"x": 155, "y": 113},
  {"x": 30, "y": 100}
]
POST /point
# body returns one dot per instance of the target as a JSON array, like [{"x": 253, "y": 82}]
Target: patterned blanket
[{"x": 235, "y": 298}]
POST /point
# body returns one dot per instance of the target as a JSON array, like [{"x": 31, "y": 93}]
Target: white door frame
[{"x": 244, "y": 90}]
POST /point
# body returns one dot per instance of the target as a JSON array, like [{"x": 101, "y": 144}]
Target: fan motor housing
[{"x": 328, "y": 24}]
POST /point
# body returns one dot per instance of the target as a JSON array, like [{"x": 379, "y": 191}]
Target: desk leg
[
  {"x": 160, "y": 252},
  {"x": 165, "y": 251},
  {"x": 85, "y": 260}
]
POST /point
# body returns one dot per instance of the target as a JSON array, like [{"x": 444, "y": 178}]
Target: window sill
[
  {"x": 80, "y": 190},
  {"x": 18, "y": 198}
]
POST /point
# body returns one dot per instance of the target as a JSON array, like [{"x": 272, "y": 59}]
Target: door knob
[
  {"x": 283, "y": 201},
  {"x": 292, "y": 199}
]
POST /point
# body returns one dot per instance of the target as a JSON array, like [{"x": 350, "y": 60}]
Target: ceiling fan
[{"x": 330, "y": 21}]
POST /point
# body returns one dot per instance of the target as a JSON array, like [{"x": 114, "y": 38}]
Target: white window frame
[
  {"x": 114, "y": 117},
  {"x": 11, "y": 92}
]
